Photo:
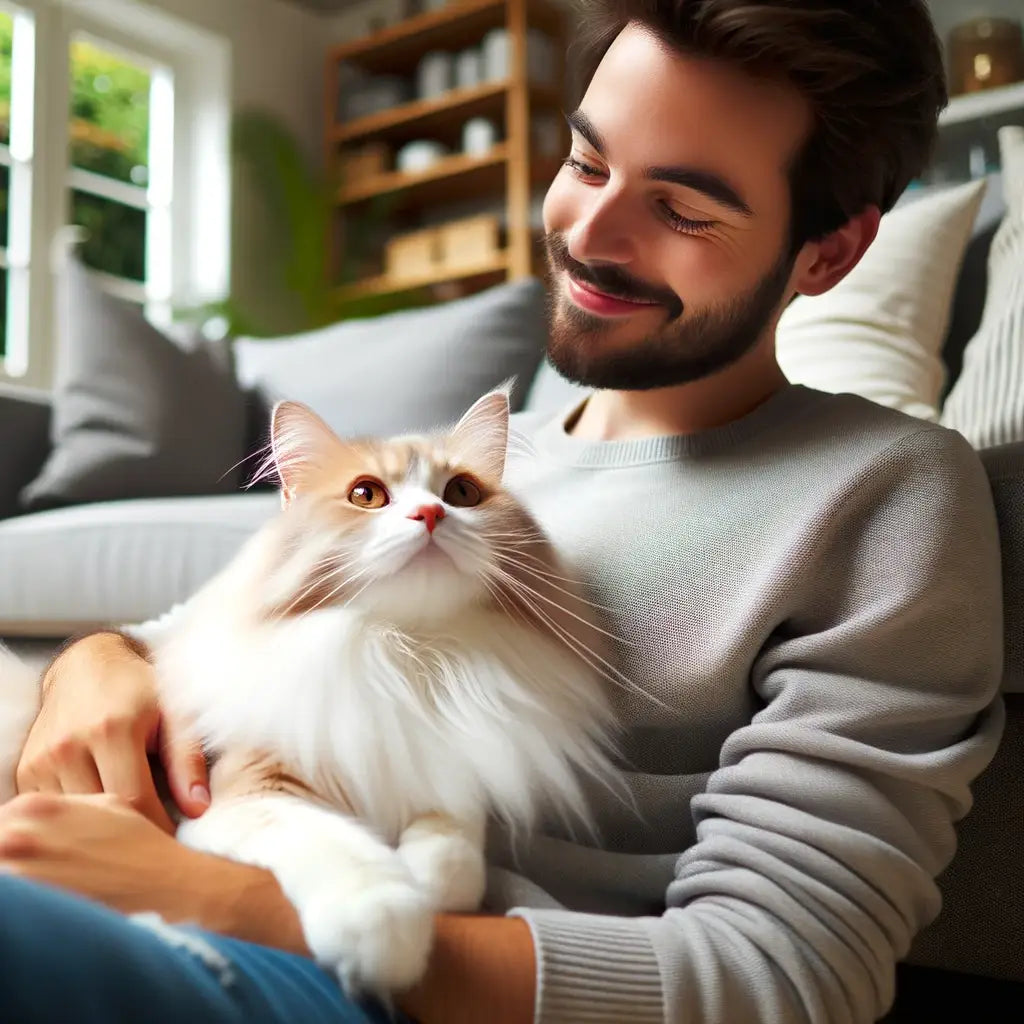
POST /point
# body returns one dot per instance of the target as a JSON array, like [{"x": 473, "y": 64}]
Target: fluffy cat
[{"x": 393, "y": 658}]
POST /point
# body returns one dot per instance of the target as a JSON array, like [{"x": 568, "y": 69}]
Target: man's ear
[{"x": 821, "y": 265}]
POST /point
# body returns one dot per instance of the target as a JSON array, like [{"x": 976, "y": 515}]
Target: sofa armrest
[{"x": 24, "y": 441}]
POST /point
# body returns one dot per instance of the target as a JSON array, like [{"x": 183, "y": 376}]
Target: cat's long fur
[{"x": 374, "y": 690}]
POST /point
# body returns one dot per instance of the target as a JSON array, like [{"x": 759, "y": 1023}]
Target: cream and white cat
[{"x": 393, "y": 658}]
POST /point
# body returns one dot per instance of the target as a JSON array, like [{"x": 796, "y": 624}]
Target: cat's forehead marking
[{"x": 411, "y": 459}]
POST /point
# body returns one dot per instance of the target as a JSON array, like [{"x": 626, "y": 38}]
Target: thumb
[{"x": 185, "y": 764}]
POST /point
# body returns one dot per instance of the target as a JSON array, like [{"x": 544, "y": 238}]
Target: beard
[{"x": 688, "y": 347}]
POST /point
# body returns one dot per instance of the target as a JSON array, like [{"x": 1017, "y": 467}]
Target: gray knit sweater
[{"x": 812, "y": 595}]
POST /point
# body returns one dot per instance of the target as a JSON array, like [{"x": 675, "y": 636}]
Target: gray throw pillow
[
  {"x": 135, "y": 413},
  {"x": 412, "y": 370}
]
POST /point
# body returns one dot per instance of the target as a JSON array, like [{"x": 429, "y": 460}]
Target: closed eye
[
  {"x": 582, "y": 169},
  {"x": 685, "y": 225}
]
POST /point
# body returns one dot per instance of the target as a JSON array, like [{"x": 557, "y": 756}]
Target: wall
[
  {"x": 277, "y": 54},
  {"x": 947, "y": 13}
]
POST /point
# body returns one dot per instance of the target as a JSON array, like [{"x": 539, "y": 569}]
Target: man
[{"x": 807, "y": 587}]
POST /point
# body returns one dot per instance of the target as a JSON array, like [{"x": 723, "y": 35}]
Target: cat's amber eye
[
  {"x": 462, "y": 492},
  {"x": 369, "y": 494}
]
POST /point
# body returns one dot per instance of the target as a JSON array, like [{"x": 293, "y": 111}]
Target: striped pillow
[{"x": 986, "y": 404}]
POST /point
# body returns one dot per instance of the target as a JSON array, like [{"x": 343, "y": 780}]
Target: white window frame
[
  {"x": 188, "y": 195},
  {"x": 156, "y": 197}
]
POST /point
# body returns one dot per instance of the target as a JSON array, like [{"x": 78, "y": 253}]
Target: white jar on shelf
[
  {"x": 419, "y": 155},
  {"x": 497, "y": 55},
  {"x": 468, "y": 68},
  {"x": 479, "y": 136},
  {"x": 434, "y": 74}
]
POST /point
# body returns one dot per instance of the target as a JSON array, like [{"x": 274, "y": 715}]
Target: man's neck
[{"x": 684, "y": 409}]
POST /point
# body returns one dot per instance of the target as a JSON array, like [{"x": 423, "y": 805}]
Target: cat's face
[{"x": 413, "y": 528}]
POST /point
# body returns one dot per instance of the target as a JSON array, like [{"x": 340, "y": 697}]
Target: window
[
  {"x": 142, "y": 120},
  {"x": 16, "y": 89},
  {"x": 121, "y": 161}
]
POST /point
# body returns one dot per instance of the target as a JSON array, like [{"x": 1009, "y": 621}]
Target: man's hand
[
  {"x": 100, "y": 719},
  {"x": 100, "y": 848}
]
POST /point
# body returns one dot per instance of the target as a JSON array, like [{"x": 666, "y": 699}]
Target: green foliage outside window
[{"x": 109, "y": 135}]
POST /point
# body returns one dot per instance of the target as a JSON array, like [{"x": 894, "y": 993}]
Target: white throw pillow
[
  {"x": 879, "y": 332},
  {"x": 986, "y": 404}
]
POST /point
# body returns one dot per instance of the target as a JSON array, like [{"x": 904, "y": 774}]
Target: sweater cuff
[{"x": 592, "y": 968}]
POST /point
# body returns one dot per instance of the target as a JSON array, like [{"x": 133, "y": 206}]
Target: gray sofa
[{"x": 125, "y": 560}]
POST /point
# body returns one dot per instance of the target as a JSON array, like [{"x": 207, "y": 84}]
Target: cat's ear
[
  {"x": 302, "y": 447},
  {"x": 480, "y": 438}
]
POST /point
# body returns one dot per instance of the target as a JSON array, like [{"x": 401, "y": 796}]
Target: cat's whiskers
[
  {"x": 264, "y": 452},
  {"x": 561, "y": 607},
  {"x": 266, "y": 469},
  {"x": 348, "y": 581},
  {"x": 501, "y": 598},
  {"x": 548, "y": 578},
  {"x": 539, "y": 566},
  {"x": 527, "y": 595},
  {"x": 525, "y": 536},
  {"x": 319, "y": 581}
]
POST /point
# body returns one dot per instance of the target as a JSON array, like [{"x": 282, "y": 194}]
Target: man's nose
[{"x": 605, "y": 232}]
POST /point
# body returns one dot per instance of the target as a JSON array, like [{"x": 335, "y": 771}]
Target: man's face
[{"x": 668, "y": 228}]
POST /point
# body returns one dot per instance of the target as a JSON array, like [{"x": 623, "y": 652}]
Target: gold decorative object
[{"x": 985, "y": 53}]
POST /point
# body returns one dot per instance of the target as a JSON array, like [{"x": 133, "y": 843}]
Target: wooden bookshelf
[
  {"x": 461, "y": 23},
  {"x": 450, "y": 179},
  {"x": 441, "y": 116},
  {"x": 483, "y": 272},
  {"x": 506, "y": 177}
]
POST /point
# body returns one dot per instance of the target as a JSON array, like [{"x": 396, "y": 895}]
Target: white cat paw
[
  {"x": 450, "y": 869},
  {"x": 376, "y": 940}
]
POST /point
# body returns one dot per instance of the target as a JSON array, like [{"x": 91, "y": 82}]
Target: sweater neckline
[{"x": 553, "y": 440}]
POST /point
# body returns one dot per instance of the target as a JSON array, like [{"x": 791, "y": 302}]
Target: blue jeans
[{"x": 67, "y": 959}]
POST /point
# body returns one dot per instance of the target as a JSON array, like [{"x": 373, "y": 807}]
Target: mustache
[{"x": 609, "y": 278}]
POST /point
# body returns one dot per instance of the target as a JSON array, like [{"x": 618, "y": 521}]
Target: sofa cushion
[
  {"x": 987, "y": 402},
  {"x": 135, "y": 413},
  {"x": 24, "y": 441},
  {"x": 106, "y": 563},
  {"x": 412, "y": 370},
  {"x": 969, "y": 301}
]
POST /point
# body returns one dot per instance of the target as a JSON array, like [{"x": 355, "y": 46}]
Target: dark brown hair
[{"x": 871, "y": 70}]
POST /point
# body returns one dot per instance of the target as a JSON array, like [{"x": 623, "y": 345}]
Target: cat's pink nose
[{"x": 430, "y": 515}]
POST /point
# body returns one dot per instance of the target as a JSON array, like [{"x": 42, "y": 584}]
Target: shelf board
[
  {"x": 426, "y": 117},
  {"x": 976, "y": 105},
  {"x": 452, "y": 177},
  {"x": 384, "y": 285},
  {"x": 397, "y": 48}
]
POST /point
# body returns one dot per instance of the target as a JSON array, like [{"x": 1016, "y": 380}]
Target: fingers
[
  {"x": 124, "y": 770},
  {"x": 186, "y": 770},
  {"x": 77, "y": 772},
  {"x": 69, "y": 769}
]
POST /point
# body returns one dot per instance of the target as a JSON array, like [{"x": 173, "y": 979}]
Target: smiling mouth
[{"x": 603, "y": 303}]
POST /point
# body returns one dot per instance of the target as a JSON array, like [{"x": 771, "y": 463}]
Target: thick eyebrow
[
  {"x": 709, "y": 184},
  {"x": 712, "y": 185},
  {"x": 579, "y": 122}
]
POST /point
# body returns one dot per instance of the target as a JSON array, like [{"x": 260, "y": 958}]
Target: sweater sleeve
[{"x": 821, "y": 834}]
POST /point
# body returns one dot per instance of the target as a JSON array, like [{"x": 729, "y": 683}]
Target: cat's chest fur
[{"x": 484, "y": 712}]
